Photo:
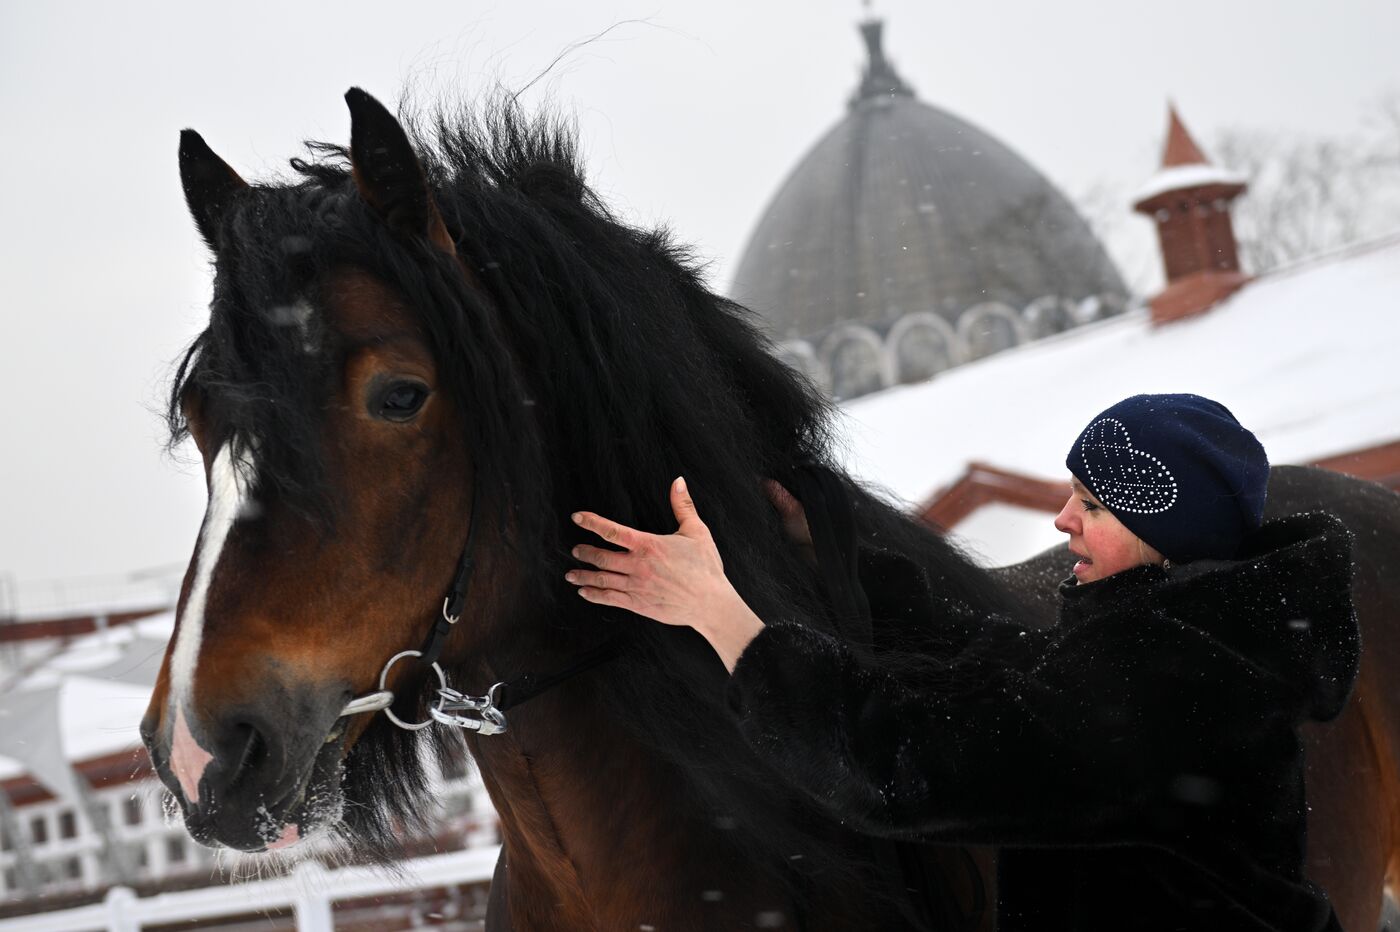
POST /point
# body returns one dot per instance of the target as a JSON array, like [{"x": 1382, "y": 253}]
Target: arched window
[
  {"x": 855, "y": 357},
  {"x": 1048, "y": 316},
  {"x": 989, "y": 328},
  {"x": 922, "y": 345},
  {"x": 1099, "y": 307},
  {"x": 799, "y": 355}
]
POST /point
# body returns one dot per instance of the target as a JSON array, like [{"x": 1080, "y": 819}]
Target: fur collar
[{"x": 1284, "y": 605}]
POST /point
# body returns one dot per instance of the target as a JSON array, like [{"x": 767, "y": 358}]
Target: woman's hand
[
  {"x": 793, "y": 516},
  {"x": 676, "y": 579}
]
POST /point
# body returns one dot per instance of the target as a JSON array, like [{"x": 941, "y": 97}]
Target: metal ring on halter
[{"x": 383, "y": 677}]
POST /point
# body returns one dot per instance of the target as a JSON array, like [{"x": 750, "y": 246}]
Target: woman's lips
[{"x": 1082, "y": 566}]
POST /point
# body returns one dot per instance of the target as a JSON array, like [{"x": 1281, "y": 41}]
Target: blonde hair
[{"x": 1147, "y": 553}]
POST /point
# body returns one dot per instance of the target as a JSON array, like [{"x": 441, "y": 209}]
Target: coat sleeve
[
  {"x": 973, "y": 750},
  {"x": 906, "y": 617}
]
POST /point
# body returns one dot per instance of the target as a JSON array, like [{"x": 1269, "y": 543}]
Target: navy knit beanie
[{"x": 1178, "y": 470}]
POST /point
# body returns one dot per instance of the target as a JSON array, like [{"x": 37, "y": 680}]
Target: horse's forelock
[{"x": 261, "y": 370}]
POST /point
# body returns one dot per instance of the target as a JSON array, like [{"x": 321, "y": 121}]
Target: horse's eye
[{"x": 400, "y": 401}]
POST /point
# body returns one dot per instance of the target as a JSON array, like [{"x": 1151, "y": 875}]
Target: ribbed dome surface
[{"x": 903, "y": 207}]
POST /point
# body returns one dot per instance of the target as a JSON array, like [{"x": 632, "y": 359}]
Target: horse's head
[
  {"x": 418, "y": 343},
  {"x": 339, "y": 470}
]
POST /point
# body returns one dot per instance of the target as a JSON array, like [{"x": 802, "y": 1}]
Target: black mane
[{"x": 598, "y": 368}]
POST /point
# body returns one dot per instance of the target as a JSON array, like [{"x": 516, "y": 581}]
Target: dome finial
[{"x": 880, "y": 80}]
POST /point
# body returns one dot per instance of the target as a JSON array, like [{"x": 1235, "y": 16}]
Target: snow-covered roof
[
  {"x": 104, "y": 681},
  {"x": 1307, "y": 357},
  {"x": 1180, "y": 177}
]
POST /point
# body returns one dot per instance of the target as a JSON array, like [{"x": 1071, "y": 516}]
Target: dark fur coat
[{"x": 1138, "y": 764}]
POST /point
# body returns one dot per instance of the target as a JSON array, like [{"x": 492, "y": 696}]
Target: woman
[{"x": 1138, "y": 764}]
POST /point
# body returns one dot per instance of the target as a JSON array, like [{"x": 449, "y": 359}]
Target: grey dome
[{"x": 903, "y": 208}]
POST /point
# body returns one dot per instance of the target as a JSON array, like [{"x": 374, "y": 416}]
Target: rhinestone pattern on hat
[{"x": 1125, "y": 478}]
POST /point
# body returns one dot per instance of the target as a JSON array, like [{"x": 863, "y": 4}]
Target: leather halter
[{"x": 484, "y": 715}]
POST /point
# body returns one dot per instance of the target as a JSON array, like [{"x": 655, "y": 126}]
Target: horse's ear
[
  {"x": 209, "y": 184},
  {"x": 388, "y": 174}
]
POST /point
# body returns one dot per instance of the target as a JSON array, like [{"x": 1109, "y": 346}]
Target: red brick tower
[{"x": 1189, "y": 200}]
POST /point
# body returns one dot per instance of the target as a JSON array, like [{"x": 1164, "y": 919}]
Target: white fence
[
  {"x": 310, "y": 890},
  {"x": 67, "y": 597}
]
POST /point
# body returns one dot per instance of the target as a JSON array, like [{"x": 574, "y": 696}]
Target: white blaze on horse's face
[{"x": 230, "y": 490}]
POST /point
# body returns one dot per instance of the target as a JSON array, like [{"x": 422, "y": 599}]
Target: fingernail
[
  {"x": 680, "y": 484},
  {"x": 574, "y": 552},
  {"x": 577, "y": 516},
  {"x": 571, "y": 576}
]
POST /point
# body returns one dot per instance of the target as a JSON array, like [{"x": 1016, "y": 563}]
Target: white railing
[
  {"x": 310, "y": 891},
  {"x": 74, "y": 596}
]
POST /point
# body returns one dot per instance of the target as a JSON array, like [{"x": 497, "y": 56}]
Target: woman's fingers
[
  {"x": 598, "y": 579},
  {"x": 687, "y": 518},
  {"x": 612, "y": 597},
  {"x": 790, "y": 512},
  {"x": 783, "y": 501},
  {"x": 671, "y": 578},
  {"x": 615, "y": 560},
  {"x": 610, "y": 531}
]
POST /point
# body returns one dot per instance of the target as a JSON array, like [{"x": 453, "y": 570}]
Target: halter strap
[
  {"x": 529, "y": 686},
  {"x": 456, "y": 598}
]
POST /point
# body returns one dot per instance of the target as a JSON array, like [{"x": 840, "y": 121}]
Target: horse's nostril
[
  {"x": 253, "y": 755},
  {"x": 148, "y": 729}
]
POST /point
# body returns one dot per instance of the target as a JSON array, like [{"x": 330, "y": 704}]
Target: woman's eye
[
  {"x": 1088, "y": 505},
  {"x": 401, "y": 401}
]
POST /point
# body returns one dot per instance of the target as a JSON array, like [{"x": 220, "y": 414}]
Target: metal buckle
[
  {"x": 450, "y": 619},
  {"x": 479, "y": 713}
]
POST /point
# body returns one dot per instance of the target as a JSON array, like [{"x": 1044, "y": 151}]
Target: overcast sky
[{"x": 691, "y": 115}]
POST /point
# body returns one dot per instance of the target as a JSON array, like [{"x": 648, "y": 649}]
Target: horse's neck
[
  {"x": 538, "y": 775},
  {"x": 563, "y": 782},
  {"x": 596, "y": 831}
]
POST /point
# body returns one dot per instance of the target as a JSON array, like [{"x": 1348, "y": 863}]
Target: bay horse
[{"x": 423, "y": 354}]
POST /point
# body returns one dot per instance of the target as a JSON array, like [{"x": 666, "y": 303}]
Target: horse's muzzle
[{"x": 262, "y": 773}]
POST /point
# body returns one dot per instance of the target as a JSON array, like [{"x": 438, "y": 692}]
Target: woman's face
[{"x": 1102, "y": 543}]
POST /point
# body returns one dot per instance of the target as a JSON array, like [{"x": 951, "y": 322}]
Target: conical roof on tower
[
  {"x": 1184, "y": 166},
  {"x": 1180, "y": 149}
]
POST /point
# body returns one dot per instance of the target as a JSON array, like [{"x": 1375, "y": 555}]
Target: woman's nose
[{"x": 1066, "y": 522}]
